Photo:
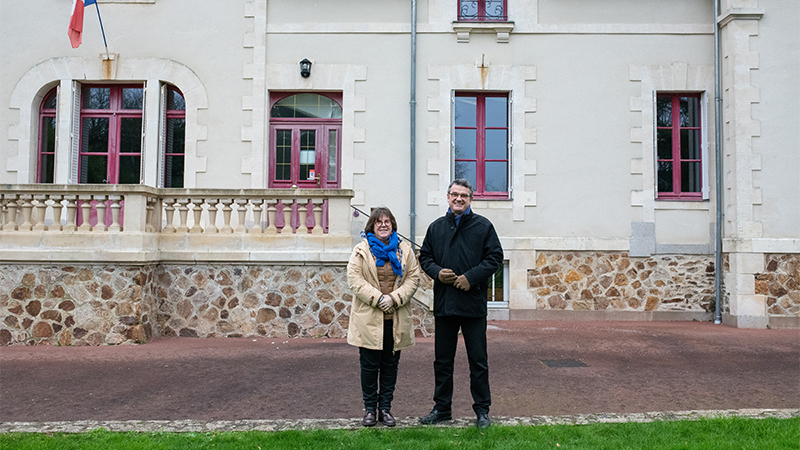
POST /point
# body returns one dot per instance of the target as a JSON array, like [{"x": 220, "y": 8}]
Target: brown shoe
[
  {"x": 386, "y": 418},
  {"x": 369, "y": 419}
]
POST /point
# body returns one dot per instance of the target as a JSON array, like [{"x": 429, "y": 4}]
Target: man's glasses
[{"x": 463, "y": 196}]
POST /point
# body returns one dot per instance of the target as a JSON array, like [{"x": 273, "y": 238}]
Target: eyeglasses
[{"x": 462, "y": 196}]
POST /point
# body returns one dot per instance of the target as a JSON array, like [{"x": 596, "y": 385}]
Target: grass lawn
[{"x": 722, "y": 433}]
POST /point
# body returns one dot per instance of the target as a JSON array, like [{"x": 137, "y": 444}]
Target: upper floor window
[
  {"x": 47, "y": 138},
  {"x": 175, "y": 135},
  {"x": 480, "y": 142},
  {"x": 678, "y": 146},
  {"x": 305, "y": 140},
  {"x": 482, "y": 10}
]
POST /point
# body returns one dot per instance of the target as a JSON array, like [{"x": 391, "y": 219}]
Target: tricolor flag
[{"x": 76, "y": 21}]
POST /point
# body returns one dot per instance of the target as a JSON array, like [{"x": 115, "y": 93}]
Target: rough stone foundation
[
  {"x": 614, "y": 281},
  {"x": 781, "y": 284}
]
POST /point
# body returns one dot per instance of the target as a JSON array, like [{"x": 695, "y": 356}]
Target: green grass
[{"x": 721, "y": 433}]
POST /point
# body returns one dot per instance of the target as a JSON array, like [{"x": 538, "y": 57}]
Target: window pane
[
  {"x": 466, "y": 111},
  {"x": 307, "y": 153},
  {"x": 174, "y": 171},
  {"x": 495, "y": 292},
  {"x": 46, "y": 165},
  {"x": 51, "y": 102},
  {"x": 468, "y": 10},
  {"x": 690, "y": 112},
  {"x": 494, "y": 10},
  {"x": 308, "y": 106},
  {"x": 283, "y": 155},
  {"x": 48, "y": 134},
  {"x": 175, "y": 100},
  {"x": 690, "y": 177},
  {"x": 466, "y": 144},
  {"x": 129, "y": 169},
  {"x": 132, "y": 98},
  {"x": 96, "y": 98},
  {"x": 176, "y": 135},
  {"x": 496, "y": 111},
  {"x": 94, "y": 135},
  {"x": 466, "y": 169},
  {"x": 690, "y": 144},
  {"x": 496, "y": 144},
  {"x": 94, "y": 169},
  {"x": 131, "y": 135},
  {"x": 332, "y": 155},
  {"x": 665, "y": 176},
  {"x": 496, "y": 177},
  {"x": 664, "y": 112},
  {"x": 664, "y": 144}
]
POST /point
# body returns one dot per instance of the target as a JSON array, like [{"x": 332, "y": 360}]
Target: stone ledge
[
  {"x": 636, "y": 316},
  {"x": 199, "y": 426}
]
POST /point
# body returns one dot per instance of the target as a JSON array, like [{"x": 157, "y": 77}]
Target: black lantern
[{"x": 305, "y": 68}]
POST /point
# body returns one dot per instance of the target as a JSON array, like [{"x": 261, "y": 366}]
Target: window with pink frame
[
  {"x": 678, "y": 146},
  {"x": 47, "y": 138},
  {"x": 482, "y": 10},
  {"x": 480, "y": 142}
]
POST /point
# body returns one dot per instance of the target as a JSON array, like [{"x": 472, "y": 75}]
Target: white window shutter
[
  {"x": 704, "y": 150},
  {"x": 162, "y": 136},
  {"x": 654, "y": 106},
  {"x": 144, "y": 126},
  {"x": 75, "y": 134}
]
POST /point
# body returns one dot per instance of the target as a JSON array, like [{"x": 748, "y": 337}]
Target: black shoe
[
  {"x": 386, "y": 418},
  {"x": 483, "y": 421},
  {"x": 436, "y": 416},
  {"x": 370, "y": 418}
]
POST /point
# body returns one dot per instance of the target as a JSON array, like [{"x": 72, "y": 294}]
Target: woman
[{"x": 383, "y": 274}]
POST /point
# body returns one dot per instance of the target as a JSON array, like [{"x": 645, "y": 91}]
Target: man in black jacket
[{"x": 460, "y": 252}]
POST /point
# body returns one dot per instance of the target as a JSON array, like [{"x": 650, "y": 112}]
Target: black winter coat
[{"x": 471, "y": 249}]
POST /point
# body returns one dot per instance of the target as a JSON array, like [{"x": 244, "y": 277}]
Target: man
[{"x": 460, "y": 252}]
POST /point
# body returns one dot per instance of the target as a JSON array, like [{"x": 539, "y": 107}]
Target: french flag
[{"x": 76, "y": 21}]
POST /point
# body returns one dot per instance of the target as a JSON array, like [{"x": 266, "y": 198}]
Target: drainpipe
[
  {"x": 718, "y": 168},
  {"x": 413, "y": 103}
]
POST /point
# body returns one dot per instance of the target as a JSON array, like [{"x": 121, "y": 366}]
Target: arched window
[
  {"x": 305, "y": 140},
  {"x": 47, "y": 138},
  {"x": 175, "y": 134}
]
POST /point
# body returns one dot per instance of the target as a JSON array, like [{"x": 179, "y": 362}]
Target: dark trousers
[
  {"x": 379, "y": 366},
  {"x": 474, "y": 331}
]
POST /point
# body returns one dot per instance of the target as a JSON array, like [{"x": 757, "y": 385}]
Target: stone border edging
[{"x": 199, "y": 426}]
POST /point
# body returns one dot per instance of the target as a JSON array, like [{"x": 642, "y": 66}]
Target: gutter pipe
[
  {"x": 413, "y": 119},
  {"x": 718, "y": 169}
]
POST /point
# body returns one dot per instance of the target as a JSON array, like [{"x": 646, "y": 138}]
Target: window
[
  {"x": 305, "y": 140},
  {"x": 111, "y": 134},
  {"x": 482, "y": 10},
  {"x": 480, "y": 142},
  {"x": 47, "y": 138},
  {"x": 678, "y": 147},
  {"x": 175, "y": 133}
]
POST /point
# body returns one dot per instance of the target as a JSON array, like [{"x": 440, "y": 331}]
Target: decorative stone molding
[
  {"x": 739, "y": 14},
  {"x": 501, "y": 29}
]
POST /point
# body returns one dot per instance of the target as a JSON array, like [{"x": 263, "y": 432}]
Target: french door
[{"x": 305, "y": 155}]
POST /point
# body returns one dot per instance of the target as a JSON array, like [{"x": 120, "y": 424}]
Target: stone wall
[
  {"x": 613, "y": 281},
  {"x": 93, "y": 305},
  {"x": 781, "y": 284}
]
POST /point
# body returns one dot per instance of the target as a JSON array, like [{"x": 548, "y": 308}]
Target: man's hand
[
  {"x": 461, "y": 283},
  {"x": 447, "y": 276},
  {"x": 386, "y": 304}
]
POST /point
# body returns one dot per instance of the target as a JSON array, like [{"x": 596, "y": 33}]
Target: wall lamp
[{"x": 305, "y": 68}]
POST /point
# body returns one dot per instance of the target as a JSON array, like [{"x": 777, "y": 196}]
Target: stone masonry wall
[
  {"x": 614, "y": 281},
  {"x": 781, "y": 284},
  {"x": 93, "y": 305}
]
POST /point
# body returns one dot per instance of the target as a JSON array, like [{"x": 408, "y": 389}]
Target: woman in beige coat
[{"x": 383, "y": 274}]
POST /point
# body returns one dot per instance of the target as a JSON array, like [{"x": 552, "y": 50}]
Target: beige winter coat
[{"x": 366, "y": 318}]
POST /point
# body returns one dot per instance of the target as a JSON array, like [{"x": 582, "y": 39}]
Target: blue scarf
[{"x": 383, "y": 252}]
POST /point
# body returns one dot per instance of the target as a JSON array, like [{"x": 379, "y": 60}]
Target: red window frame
[
  {"x": 45, "y": 173},
  {"x": 679, "y": 148},
  {"x": 480, "y": 8},
  {"x": 322, "y": 129},
  {"x": 480, "y": 159},
  {"x": 170, "y": 151},
  {"x": 115, "y": 115}
]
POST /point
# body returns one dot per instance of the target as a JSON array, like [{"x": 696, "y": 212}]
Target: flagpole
[{"x": 102, "y": 30}]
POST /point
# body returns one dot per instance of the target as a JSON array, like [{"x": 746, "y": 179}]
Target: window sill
[
  {"x": 697, "y": 204},
  {"x": 501, "y": 29}
]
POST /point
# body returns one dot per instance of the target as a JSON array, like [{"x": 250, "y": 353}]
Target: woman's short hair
[{"x": 376, "y": 214}]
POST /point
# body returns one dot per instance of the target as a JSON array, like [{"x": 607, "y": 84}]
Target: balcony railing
[{"x": 77, "y": 222}]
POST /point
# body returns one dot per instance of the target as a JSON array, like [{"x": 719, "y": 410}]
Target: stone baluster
[
  {"x": 169, "y": 212},
  {"x": 257, "y": 229},
  {"x": 197, "y": 212},
  {"x": 294, "y": 218},
  {"x": 100, "y": 207},
  {"x": 86, "y": 211},
  {"x": 226, "y": 215},
  {"x": 183, "y": 215},
  {"x": 116, "y": 206},
  {"x": 27, "y": 210},
  {"x": 57, "y": 208},
  {"x": 241, "y": 212},
  {"x": 318, "y": 229},
  {"x": 10, "y": 223},
  {"x": 270, "y": 225},
  {"x": 212, "y": 216},
  {"x": 307, "y": 222},
  {"x": 40, "y": 208},
  {"x": 149, "y": 212},
  {"x": 280, "y": 216},
  {"x": 72, "y": 212}
]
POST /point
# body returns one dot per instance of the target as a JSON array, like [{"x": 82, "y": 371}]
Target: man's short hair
[{"x": 463, "y": 182}]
